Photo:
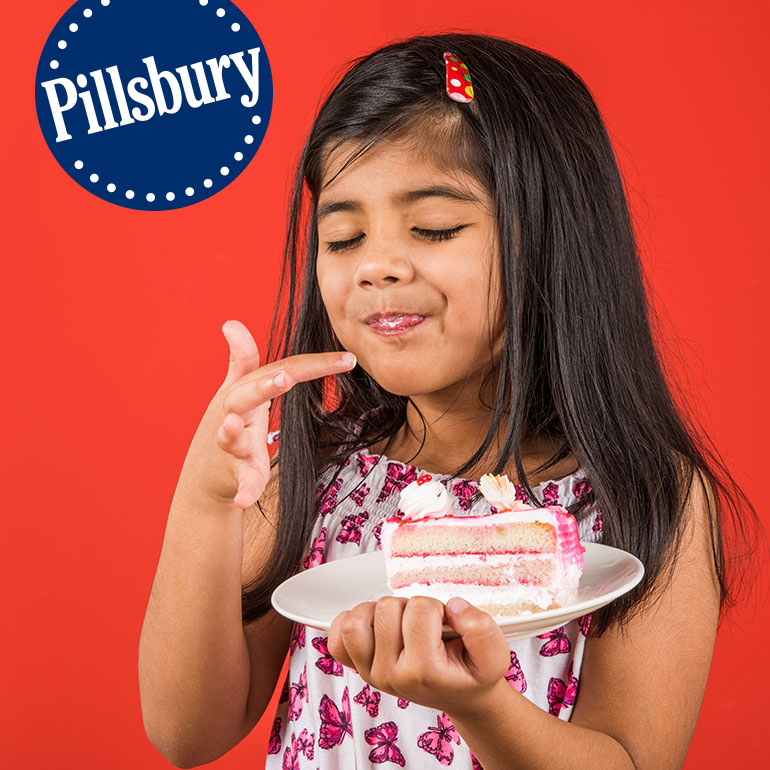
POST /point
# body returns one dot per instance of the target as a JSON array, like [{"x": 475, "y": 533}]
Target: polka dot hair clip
[{"x": 458, "y": 79}]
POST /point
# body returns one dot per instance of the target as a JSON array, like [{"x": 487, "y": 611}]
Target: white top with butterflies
[{"x": 328, "y": 718}]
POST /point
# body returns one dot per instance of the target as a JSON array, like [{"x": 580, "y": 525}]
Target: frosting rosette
[
  {"x": 425, "y": 498},
  {"x": 500, "y": 492}
]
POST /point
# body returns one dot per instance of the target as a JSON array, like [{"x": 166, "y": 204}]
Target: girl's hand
[
  {"x": 395, "y": 645},
  {"x": 228, "y": 458}
]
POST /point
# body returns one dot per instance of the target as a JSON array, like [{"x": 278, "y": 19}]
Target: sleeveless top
[{"x": 328, "y": 718}]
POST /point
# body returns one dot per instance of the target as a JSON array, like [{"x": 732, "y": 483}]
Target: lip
[{"x": 394, "y": 322}]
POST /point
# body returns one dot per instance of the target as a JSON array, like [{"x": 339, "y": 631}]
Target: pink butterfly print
[
  {"x": 396, "y": 477},
  {"x": 335, "y": 722},
  {"x": 377, "y": 532},
  {"x": 598, "y": 521},
  {"x": 365, "y": 463},
  {"x": 370, "y": 700},
  {"x": 520, "y": 494},
  {"x": 557, "y": 643},
  {"x": 560, "y": 695},
  {"x": 476, "y": 763},
  {"x": 402, "y": 704},
  {"x": 290, "y": 758},
  {"x": 285, "y": 692},
  {"x": 274, "y": 745},
  {"x": 438, "y": 740},
  {"x": 326, "y": 662},
  {"x": 351, "y": 528},
  {"x": 383, "y": 738},
  {"x": 359, "y": 494},
  {"x": 585, "y": 624},
  {"x": 550, "y": 494},
  {"x": 305, "y": 743},
  {"x": 581, "y": 489},
  {"x": 297, "y": 640},
  {"x": 515, "y": 675},
  {"x": 297, "y": 694},
  {"x": 329, "y": 501},
  {"x": 464, "y": 491},
  {"x": 316, "y": 555}
]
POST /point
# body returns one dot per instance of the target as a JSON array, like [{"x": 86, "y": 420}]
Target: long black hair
[{"x": 579, "y": 361}]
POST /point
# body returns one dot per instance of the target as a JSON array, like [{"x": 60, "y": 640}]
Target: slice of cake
[{"x": 517, "y": 559}]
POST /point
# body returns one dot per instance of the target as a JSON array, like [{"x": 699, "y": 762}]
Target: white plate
[{"x": 316, "y": 596}]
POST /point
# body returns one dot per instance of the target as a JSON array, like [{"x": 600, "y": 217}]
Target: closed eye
[{"x": 430, "y": 235}]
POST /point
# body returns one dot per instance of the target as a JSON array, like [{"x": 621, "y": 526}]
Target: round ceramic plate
[{"x": 315, "y": 597}]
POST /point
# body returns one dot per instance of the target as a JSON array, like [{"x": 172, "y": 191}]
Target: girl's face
[{"x": 374, "y": 256}]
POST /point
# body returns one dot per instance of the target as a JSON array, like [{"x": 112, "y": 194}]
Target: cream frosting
[{"x": 425, "y": 498}]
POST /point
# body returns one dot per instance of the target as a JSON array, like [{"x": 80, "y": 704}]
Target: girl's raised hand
[{"x": 228, "y": 458}]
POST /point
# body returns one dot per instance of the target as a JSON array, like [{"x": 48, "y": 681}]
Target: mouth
[{"x": 394, "y": 322}]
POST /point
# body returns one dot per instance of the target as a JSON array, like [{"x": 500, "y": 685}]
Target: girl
[{"x": 477, "y": 262}]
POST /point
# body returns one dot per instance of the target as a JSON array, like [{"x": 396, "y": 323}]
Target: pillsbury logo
[{"x": 153, "y": 105}]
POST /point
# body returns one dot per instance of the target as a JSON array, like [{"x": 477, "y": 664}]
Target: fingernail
[
  {"x": 347, "y": 359},
  {"x": 457, "y": 605},
  {"x": 224, "y": 324}
]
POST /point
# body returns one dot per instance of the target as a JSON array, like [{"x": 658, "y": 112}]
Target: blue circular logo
[{"x": 154, "y": 105}]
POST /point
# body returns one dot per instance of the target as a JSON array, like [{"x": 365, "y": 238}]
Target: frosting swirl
[
  {"x": 500, "y": 492},
  {"x": 425, "y": 499}
]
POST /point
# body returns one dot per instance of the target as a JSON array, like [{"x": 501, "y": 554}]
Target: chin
[{"x": 404, "y": 383}]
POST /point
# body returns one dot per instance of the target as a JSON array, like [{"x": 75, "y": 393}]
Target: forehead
[{"x": 398, "y": 170}]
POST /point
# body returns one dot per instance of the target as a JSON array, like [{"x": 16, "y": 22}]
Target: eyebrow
[{"x": 404, "y": 198}]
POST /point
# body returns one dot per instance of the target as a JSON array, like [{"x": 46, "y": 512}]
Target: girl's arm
[
  {"x": 640, "y": 691},
  {"x": 205, "y": 679}
]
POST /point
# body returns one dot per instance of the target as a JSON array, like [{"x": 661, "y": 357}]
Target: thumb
[
  {"x": 244, "y": 353},
  {"x": 482, "y": 638}
]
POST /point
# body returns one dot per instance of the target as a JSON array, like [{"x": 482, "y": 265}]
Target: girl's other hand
[
  {"x": 395, "y": 645},
  {"x": 228, "y": 459}
]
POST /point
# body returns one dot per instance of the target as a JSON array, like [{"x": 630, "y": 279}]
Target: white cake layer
[
  {"x": 537, "y": 568},
  {"x": 486, "y": 595}
]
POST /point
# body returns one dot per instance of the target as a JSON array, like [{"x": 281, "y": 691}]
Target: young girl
[{"x": 477, "y": 262}]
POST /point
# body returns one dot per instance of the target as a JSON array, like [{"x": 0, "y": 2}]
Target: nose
[{"x": 381, "y": 264}]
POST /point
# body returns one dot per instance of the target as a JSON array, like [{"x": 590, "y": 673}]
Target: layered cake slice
[{"x": 515, "y": 560}]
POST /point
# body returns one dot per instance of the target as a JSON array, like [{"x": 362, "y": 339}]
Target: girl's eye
[{"x": 431, "y": 235}]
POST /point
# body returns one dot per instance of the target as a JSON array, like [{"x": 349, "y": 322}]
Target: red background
[{"x": 111, "y": 330}]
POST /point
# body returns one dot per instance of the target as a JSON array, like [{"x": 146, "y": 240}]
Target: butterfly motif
[
  {"x": 297, "y": 694},
  {"x": 305, "y": 743},
  {"x": 329, "y": 501},
  {"x": 335, "y": 722},
  {"x": 316, "y": 555},
  {"x": 598, "y": 521},
  {"x": 561, "y": 695},
  {"x": 396, "y": 477},
  {"x": 365, "y": 463},
  {"x": 290, "y": 758},
  {"x": 370, "y": 700},
  {"x": 274, "y": 744},
  {"x": 377, "y": 532},
  {"x": 402, "y": 704},
  {"x": 351, "y": 528},
  {"x": 438, "y": 740},
  {"x": 557, "y": 643},
  {"x": 383, "y": 738},
  {"x": 359, "y": 494},
  {"x": 584, "y": 622},
  {"x": 285, "y": 692},
  {"x": 464, "y": 492},
  {"x": 520, "y": 494},
  {"x": 326, "y": 662},
  {"x": 297, "y": 640},
  {"x": 581, "y": 489},
  {"x": 476, "y": 763},
  {"x": 515, "y": 675},
  {"x": 550, "y": 494}
]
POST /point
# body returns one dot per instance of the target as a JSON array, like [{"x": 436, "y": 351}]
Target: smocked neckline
[{"x": 576, "y": 474}]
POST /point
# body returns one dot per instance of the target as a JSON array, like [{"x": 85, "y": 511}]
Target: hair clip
[{"x": 458, "y": 79}]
